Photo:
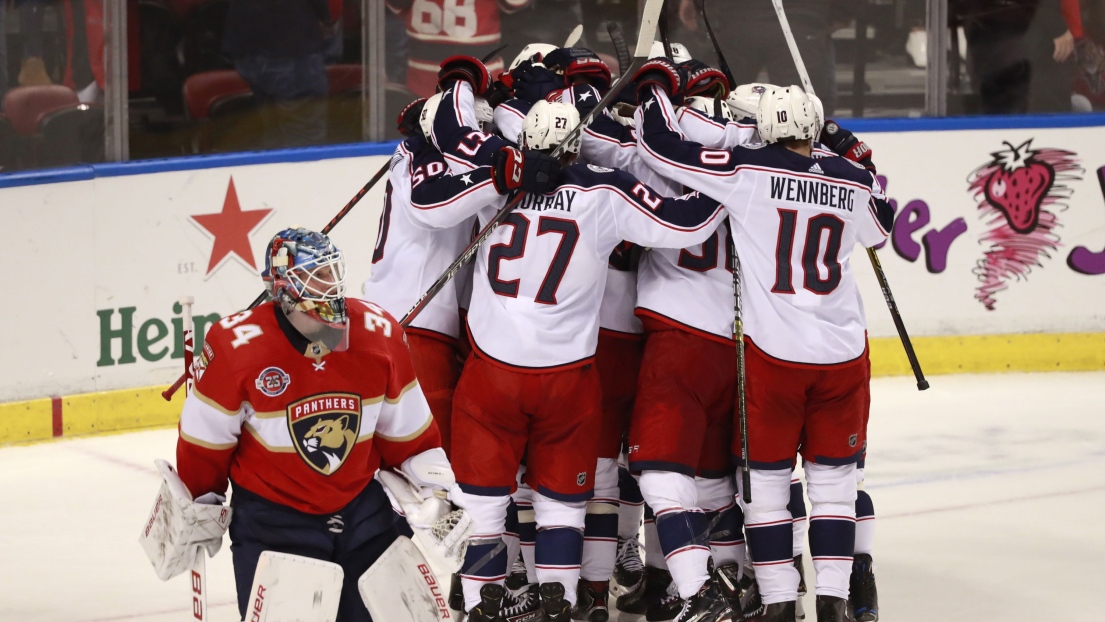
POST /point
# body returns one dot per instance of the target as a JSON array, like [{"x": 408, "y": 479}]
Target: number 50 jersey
[{"x": 796, "y": 221}]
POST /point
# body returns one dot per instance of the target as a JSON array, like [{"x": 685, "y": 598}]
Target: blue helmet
[{"x": 306, "y": 270}]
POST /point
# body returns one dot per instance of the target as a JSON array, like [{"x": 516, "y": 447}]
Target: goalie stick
[
  {"x": 884, "y": 284},
  {"x": 649, "y": 19}
]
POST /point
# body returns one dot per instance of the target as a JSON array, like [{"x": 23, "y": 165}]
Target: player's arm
[
  {"x": 455, "y": 129},
  {"x": 211, "y": 421},
  {"x": 645, "y": 217},
  {"x": 609, "y": 143},
  {"x": 714, "y": 134},
  {"x": 875, "y": 229},
  {"x": 662, "y": 146},
  {"x": 509, "y": 116},
  {"x": 447, "y": 200}
]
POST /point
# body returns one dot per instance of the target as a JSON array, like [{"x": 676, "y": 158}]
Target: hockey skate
[
  {"x": 649, "y": 590},
  {"x": 668, "y": 607},
  {"x": 491, "y": 604},
  {"x": 591, "y": 602},
  {"x": 751, "y": 603},
  {"x": 456, "y": 597},
  {"x": 706, "y": 605},
  {"x": 862, "y": 595},
  {"x": 833, "y": 609},
  {"x": 553, "y": 604},
  {"x": 775, "y": 612},
  {"x": 523, "y": 605},
  {"x": 517, "y": 579},
  {"x": 800, "y": 609},
  {"x": 628, "y": 568},
  {"x": 728, "y": 580}
]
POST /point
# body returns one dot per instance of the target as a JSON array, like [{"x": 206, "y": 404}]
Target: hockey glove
[
  {"x": 579, "y": 65},
  {"x": 704, "y": 80},
  {"x": 529, "y": 171},
  {"x": 465, "y": 69},
  {"x": 845, "y": 143},
  {"x": 663, "y": 73},
  {"x": 408, "y": 119},
  {"x": 531, "y": 83}
]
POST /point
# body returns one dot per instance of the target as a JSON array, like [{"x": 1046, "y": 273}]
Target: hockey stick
[
  {"x": 649, "y": 18},
  {"x": 574, "y": 36},
  {"x": 664, "y": 39},
  {"x": 198, "y": 575},
  {"x": 742, "y": 404},
  {"x": 620, "y": 47},
  {"x": 722, "y": 64},
  {"x": 168, "y": 394},
  {"x": 189, "y": 341},
  {"x": 804, "y": 76}
]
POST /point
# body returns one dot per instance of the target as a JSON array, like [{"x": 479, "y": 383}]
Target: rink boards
[{"x": 997, "y": 260}]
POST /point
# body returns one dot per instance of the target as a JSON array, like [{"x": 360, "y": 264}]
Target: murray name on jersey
[{"x": 561, "y": 200}]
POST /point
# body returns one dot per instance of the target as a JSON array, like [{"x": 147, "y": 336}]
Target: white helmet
[
  {"x": 679, "y": 52},
  {"x": 744, "y": 101},
  {"x": 528, "y": 52},
  {"x": 710, "y": 106},
  {"x": 485, "y": 114},
  {"x": 548, "y": 124},
  {"x": 787, "y": 113},
  {"x": 429, "y": 111}
]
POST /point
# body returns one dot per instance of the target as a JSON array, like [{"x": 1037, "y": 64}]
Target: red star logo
[{"x": 231, "y": 228}]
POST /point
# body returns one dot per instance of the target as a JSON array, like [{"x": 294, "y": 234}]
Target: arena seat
[
  {"x": 202, "y": 90},
  {"x": 25, "y": 106}
]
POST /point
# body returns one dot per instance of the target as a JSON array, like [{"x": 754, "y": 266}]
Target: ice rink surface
[{"x": 989, "y": 491}]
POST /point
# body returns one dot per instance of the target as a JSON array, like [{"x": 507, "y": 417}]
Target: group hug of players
[{"x": 583, "y": 374}]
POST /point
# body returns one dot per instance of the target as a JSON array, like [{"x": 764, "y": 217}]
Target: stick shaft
[
  {"x": 803, "y": 75},
  {"x": 722, "y": 63},
  {"x": 742, "y": 404},
  {"x": 198, "y": 585}
]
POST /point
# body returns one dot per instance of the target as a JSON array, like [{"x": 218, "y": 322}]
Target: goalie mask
[
  {"x": 788, "y": 113},
  {"x": 305, "y": 272},
  {"x": 548, "y": 124},
  {"x": 710, "y": 106}
]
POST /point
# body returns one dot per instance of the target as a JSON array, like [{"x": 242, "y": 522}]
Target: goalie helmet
[
  {"x": 679, "y": 52},
  {"x": 744, "y": 101},
  {"x": 787, "y": 113},
  {"x": 710, "y": 106},
  {"x": 548, "y": 124},
  {"x": 528, "y": 52},
  {"x": 303, "y": 269}
]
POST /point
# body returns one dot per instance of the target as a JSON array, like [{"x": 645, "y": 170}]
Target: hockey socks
[
  {"x": 797, "y": 508},
  {"x": 865, "y": 523},
  {"x": 832, "y": 526},
  {"x": 600, "y": 532},
  {"x": 558, "y": 550}
]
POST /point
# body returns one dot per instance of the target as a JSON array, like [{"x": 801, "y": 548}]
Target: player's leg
[
  {"x": 775, "y": 398},
  {"x": 365, "y": 528},
  {"x": 560, "y": 467},
  {"x": 727, "y": 545},
  {"x": 797, "y": 508},
  {"x": 628, "y": 566},
  {"x": 435, "y": 366},
  {"x": 489, "y": 427},
  {"x": 834, "y": 442},
  {"x": 862, "y": 593},
  {"x": 260, "y": 525}
]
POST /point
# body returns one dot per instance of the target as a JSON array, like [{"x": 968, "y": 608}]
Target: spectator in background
[
  {"x": 277, "y": 47},
  {"x": 1050, "y": 42},
  {"x": 752, "y": 39}
]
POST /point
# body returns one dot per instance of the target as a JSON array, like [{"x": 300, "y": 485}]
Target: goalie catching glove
[
  {"x": 178, "y": 526},
  {"x": 529, "y": 171},
  {"x": 845, "y": 144}
]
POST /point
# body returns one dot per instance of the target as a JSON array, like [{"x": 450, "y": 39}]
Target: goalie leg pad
[
  {"x": 291, "y": 588},
  {"x": 401, "y": 587}
]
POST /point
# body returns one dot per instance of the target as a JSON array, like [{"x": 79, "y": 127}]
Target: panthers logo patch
[{"x": 325, "y": 429}]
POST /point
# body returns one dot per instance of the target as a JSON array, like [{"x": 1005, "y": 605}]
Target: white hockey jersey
[
  {"x": 410, "y": 256},
  {"x": 539, "y": 280},
  {"x": 796, "y": 221}
]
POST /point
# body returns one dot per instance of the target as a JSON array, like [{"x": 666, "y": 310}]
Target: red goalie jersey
[
  {"x": 285, "y": 419},
  {"x": 438, "y": 29}
]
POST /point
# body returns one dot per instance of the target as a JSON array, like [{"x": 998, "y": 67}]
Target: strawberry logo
[
  {"x": 1018, "y": 184},
  {"x": 1014, "y": 191}
]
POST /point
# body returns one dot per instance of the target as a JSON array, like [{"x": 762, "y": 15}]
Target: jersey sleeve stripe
[
  {"x": 402, "y": 392},
  {"x": 429, "y": 206},
  {"x": 213, "y": 404},
  {"x": 407, "y": 437},
  {"x": 875, "y": 215},
  {"x": 621, "y": 194},
  {"x": 188, "y": 438}
]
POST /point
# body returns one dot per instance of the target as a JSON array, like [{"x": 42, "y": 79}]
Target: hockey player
[
  {"x": 300, "y": 401},
  {"x": 534, "y": 326},
  {"x": 817, "y": 383},
  {"x": 407, "y": 259}
]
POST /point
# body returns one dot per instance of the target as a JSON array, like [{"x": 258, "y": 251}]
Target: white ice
[{"x": 989, "y": 491}]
